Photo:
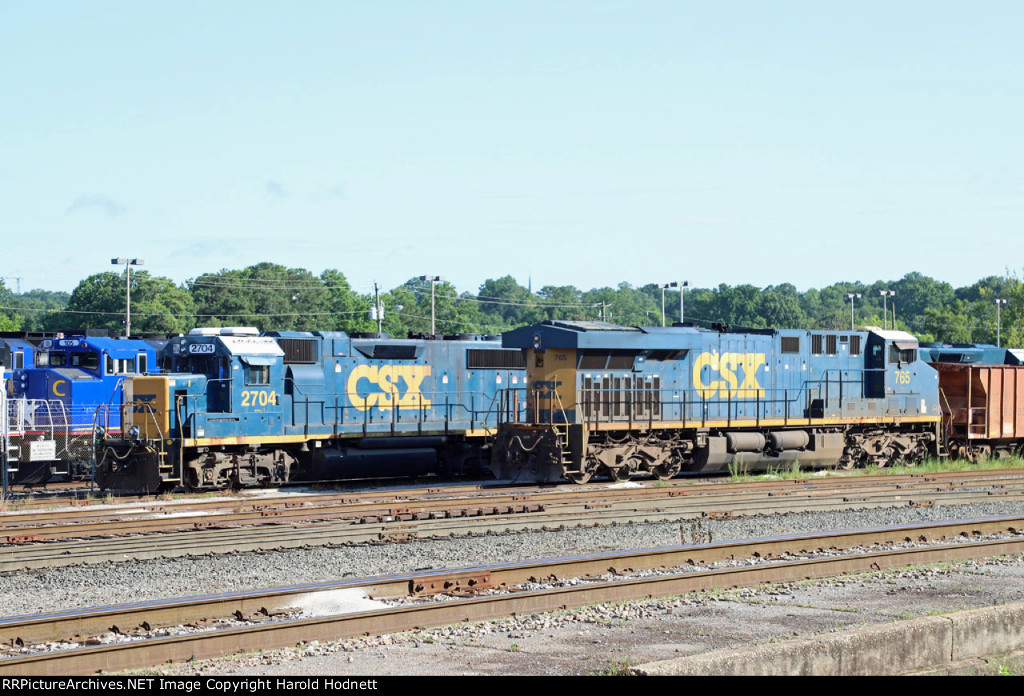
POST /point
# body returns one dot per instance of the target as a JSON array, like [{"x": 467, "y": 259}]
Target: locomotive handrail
[
  {"x": 337, "y": 410},
  {"x": 497, "y": 407},
  {"x": 598, "y": 405}
]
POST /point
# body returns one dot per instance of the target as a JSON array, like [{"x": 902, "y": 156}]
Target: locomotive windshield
[
  {"x": 85, "y": 361},
  {"x": 902, "y": 352},
  {"x": 209, "y": 365}
]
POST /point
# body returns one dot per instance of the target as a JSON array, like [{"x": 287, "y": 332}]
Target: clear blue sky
[{"x": 567, "y": 142}]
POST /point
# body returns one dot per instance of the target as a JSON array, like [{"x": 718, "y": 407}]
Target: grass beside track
[{"x": 928, "y": 466}]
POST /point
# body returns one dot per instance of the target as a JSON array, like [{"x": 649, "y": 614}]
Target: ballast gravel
[{"x": 593, "y": 640}]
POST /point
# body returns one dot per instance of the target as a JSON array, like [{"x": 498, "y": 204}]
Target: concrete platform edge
[{"x": 899, "y": 647}]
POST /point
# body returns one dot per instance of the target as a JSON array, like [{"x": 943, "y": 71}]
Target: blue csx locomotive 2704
[
  {"x": 235, "y": 408},
  {"x": 620, "y": 401}
]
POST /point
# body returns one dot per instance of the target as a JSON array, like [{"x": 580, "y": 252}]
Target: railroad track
[
  {"x": 314, "y": 521},
  {"x": 26, "y": 516},
  {"x": 484, "y": 592}
]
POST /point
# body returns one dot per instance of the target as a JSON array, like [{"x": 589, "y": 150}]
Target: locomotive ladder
[
  {"x": 561, "y": 431},
  {"x": 166, "y": 470}
]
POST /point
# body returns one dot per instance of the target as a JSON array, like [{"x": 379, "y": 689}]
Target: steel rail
[
  {"x": 284, "y": 536},
  {"x": 169, "y": 612},
  {"x": 221, "y": 642},
  {"x": 178, "y": 518},
  {"x": 18, "y": 516},
  {"x": 36, "y": 628}
]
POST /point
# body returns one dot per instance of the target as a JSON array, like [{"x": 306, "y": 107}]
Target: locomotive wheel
[
  {"x": 849, "y": 461},
  {"x": 620, "y": 473},
  {"x": 957, "y": 450},
  {"x": 887, "y": 458},
  {"x": 668, "y": 470},
  {"x": 578, "y": 477}
]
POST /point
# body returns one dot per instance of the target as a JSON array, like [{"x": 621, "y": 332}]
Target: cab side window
[{"x": 257, "y": 374}]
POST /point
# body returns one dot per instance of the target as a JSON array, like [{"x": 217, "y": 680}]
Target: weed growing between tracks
[
  {"x": 738, "y": 471},
  {"x": 619, "y": 668}
]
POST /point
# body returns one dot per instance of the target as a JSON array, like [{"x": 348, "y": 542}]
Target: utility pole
[
  {"x": 432, "y": 279},
  {"x": 682, "y": 300},
  {"x": 999, "y": 304},
  {"x": 128, "y": 263},
  {"x": 851, "y": 296},
  {"x": 885, "y": 309},
  {"x": 663, "y": 286},
  {"x": 378, "y": 311}
]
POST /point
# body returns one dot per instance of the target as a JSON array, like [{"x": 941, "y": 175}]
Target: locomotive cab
[
  {"x": 195, "y": 425},
  {"x": 896, "y": 373},
  {"x": 225, "y": 379}
]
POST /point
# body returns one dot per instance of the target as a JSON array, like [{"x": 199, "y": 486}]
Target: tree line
[{"x": 273, "y": 297}]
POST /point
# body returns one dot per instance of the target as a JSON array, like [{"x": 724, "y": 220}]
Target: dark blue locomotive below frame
[
  {"x": 236, "y": 408},
  {"x": 71, "y": 379},
  {"x": 624, "y": 401}
]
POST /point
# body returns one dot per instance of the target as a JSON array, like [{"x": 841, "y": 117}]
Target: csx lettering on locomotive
[
  {"x": 726, "y": 365},
  {"x": 383, "y": 382}
]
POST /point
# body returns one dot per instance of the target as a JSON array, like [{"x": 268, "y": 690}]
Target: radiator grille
[
  {"x": 298, "y": 351},
  {"x": 494, "y": 359}
]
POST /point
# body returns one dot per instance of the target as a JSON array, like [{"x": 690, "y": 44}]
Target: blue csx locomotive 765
[
  {"x": 621, "y": 401},
  {"x": 235, "y": 408}
]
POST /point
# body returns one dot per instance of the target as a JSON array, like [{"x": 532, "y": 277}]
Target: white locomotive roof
[
  {"x": 225, "y": 331},
  {"x": 251, "y": 345}
]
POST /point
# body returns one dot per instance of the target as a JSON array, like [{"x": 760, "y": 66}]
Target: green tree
[
  {"x": 561, "y": 302},
  {"x": 158, "y": 305},
  {"x": 453, "y": 313},
  {"x": 916, "y": 293},
  {"x": 950, "y": 324},
  {"x": 345, "y": 309},
  {"x": 38, "y": 309},
  {"x": 740, "y": 306},
  {"x": 268, "y": 296},
  {"x": 9, "y": 321},
  {"x": 780, "y": 308},
  {"x": 505, "y": 303}
]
